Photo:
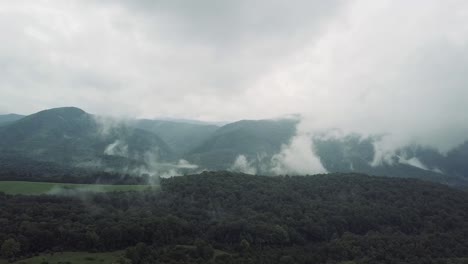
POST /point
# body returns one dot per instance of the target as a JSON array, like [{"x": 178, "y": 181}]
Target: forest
[
  {"x": 226, "y": 217},
  {"x": 17, "y": 168}
]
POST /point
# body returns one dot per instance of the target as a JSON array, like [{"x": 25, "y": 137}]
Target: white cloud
[
  {"x": 375, "y": 67},
  {"x": 415, "y": 162},
  {"x": 297, "y": 158},
  {"x": 117, "y": 148},
  {"x": 241, "y": 164}
]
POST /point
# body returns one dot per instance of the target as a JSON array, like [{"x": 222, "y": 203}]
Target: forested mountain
[
  {"x": 456, "y": 161},
  {"x": 181, "y": 137},
  {"x": 69, "y": 136},
  {"x": 355, "y": 153},
  {"x": 8, "y": 118},
  {"x": 223, "y": 217},
  {"x": 255, "y": 139}
]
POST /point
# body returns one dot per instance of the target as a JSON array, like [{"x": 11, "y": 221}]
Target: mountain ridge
[{"x": 70, "y": 136}]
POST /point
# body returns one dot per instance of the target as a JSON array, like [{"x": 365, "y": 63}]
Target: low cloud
[
  {"x": 415, "y": 162},
  {"x": 297, "y": 158},
  {"x": 118, "y": 148},
  {"x": 241, "y": 164}
]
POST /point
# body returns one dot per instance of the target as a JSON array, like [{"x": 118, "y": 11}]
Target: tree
[
  {"x": 244, "y": 247},
  {"x": 287, "y": 260},
  {"x": 10, "y": 248},
  {"x": 92, "y": 239},
  {"x": 204, "y": 249},
  {"x": 137, "y": 253}
]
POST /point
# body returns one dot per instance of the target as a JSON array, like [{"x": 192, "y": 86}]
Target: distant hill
[
  {"x": 253, "y": 138},
  {"x": 69, "y": 136},
  {"x": 354, "y": 153},
  {"x": 456, "y": 161},
  {"x": 8, "y": 118},
  {"x": 180, "y": 136},
  {"x": 259, "y": 140}
]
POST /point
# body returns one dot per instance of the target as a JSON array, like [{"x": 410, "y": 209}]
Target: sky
[{"x": 366, "y": 66}]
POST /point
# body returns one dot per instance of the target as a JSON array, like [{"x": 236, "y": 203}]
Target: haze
[{"x": 372, "y": 67}]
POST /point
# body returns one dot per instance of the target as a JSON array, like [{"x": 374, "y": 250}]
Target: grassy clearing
[
  {"x": 34, "y": 188},
  {"x": 72, "y": 258}
]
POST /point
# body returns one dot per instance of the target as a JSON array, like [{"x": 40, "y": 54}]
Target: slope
[
  {"x": 69, "y": 136},
  {"x": 256, "y": 139},
  {"x": 180, "y": 136}
]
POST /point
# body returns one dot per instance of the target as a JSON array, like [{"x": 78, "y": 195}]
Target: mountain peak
[
  {"x": 68, "y": 118},
  {"x": 67, "y": 111}
]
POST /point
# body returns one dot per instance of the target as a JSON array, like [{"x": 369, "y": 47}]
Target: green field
[
  {"x": 20, "y": 187},
  {"x": 72, "y": 258}
]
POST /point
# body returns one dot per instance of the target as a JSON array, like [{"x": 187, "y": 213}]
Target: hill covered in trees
[
  {"x": 257, "y": 140},
  {"x": 63, "y": 142},
  {"x": 70, "y": 137},
  {"x": 223, "y": 217}
]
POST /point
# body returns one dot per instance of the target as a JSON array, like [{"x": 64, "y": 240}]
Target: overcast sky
[{"x": 366, "y": 65}]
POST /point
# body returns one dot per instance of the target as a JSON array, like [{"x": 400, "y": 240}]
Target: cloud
[
  {"x": 241, "y": 164},
  {"x": 387, "y": 68},
  {"x": 415, "y": 162},
  {"x": 117, "y": 148},
  {"x": 390, "y": 68},
  {"x": 148, "y": 58},
  {"x": 297, "y": 158}
]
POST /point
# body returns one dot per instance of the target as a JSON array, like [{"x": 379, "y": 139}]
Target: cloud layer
[{"x": 372, "y": 67}]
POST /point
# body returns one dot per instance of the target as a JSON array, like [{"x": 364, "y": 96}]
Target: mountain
[
  {"x": 69, "y": 136},
  {"x": 259, "y": 140},
  {"x": 193, "y": 121},
  {"x": 454, "y": 162},
  {"x": 255, "y": 139},
  {"x": 180, "y": 136},
  {"x": 354, "y": 153},
  {"x": 8, "y": 118}
]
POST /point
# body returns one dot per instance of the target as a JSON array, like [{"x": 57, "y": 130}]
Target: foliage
[
  {"x": 34, "y": 188},
  {"x": 19, "y": 168},
  {"x": 251, "y": 219},
  {"x": 10, "y": 248},
  {"x": 75, "y": 258}
]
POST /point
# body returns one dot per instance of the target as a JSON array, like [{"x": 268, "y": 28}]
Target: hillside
[
  {"x": 8, "y": 118},
  {"x": 71, "y": 137},
  {"x": 181, "y": 137},
  {"x": 67, "y": 140},
  {"x": 253, "y": 138},
  {"x": 354, "y": 153},
  {"x": 318, "y": 219}
]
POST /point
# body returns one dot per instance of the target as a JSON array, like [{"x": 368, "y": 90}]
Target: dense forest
[
  {"x": 223, "y": 217},
  {"x": 17, "y": 168}
]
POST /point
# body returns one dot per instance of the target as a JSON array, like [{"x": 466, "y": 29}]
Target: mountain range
[{"x": 70, "y": 137}]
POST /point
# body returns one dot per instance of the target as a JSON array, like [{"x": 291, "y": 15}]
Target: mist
[{"x": 391, "y": 70}]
